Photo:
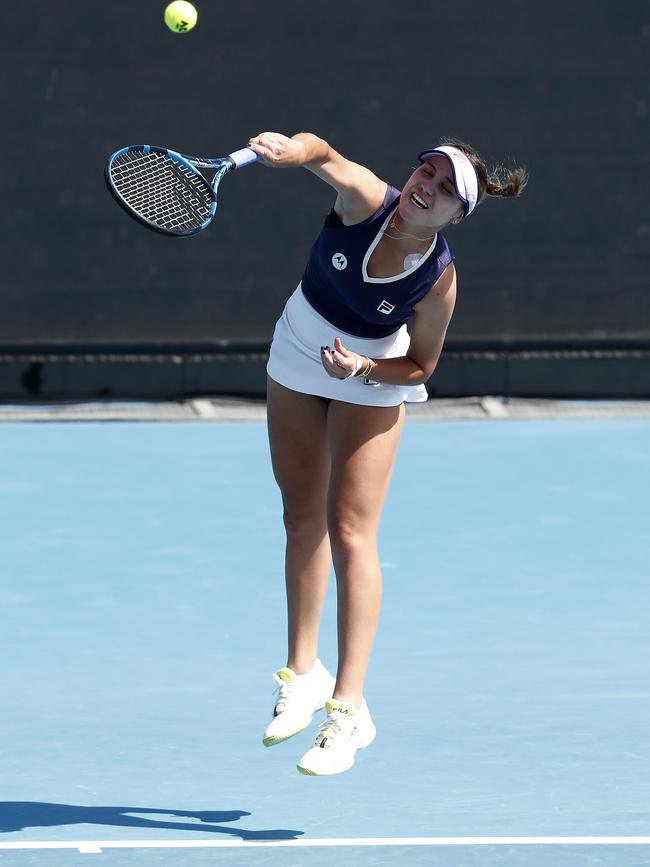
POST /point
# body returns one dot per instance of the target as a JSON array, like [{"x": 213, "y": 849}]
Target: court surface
[{"x": 143, "y": 613}]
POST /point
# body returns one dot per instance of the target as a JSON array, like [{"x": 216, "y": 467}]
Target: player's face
[{"x": 429, "y": 196}]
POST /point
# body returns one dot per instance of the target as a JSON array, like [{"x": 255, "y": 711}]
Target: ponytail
[
  {"x": 509, "y": 186},
  {"x": 506, "y": 183}
]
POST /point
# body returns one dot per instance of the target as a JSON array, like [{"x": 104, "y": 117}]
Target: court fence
[{"x": 239, "y": 369}]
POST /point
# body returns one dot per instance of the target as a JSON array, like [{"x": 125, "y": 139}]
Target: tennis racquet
[{"x": 165, "y": 190}]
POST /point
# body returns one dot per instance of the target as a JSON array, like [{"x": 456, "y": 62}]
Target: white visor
[{"x": 464, "y": 175}]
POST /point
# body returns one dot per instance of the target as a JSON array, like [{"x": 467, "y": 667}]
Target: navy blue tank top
[{"x": 336, "y": 281}]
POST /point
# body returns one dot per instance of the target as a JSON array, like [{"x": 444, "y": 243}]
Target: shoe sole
[
  {"x": 278, "y": 739},
  {"x": 308, "y": 773}
]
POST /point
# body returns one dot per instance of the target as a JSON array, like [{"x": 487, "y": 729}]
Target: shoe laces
[
  {"x": 333, "y": 726},
  {"x": 283, "y": 693}
]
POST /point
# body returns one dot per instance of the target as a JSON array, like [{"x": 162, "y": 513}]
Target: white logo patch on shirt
[
  {"x": 386, "y": 307},
  {"x": 339, "y": 261}
]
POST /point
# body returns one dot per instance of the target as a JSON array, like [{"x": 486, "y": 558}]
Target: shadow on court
[{"x": 19, "y": 815}]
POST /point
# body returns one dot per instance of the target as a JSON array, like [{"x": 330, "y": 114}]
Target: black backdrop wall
[{"x": 561, "y": 88}]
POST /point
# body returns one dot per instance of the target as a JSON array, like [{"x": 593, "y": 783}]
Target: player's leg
[
  {"x": 297, "y": 426},
  {"x": 299, "y": 449},
  {"x": 363, "y": 445}
]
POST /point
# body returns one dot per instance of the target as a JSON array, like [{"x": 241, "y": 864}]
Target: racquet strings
[{"x": 162, "y": 191}]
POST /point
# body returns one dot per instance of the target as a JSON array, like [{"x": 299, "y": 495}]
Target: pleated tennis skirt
[{"x": 295, "y": 361}]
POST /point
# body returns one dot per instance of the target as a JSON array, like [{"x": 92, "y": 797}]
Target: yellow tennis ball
[{"x": 180, "y": 16}]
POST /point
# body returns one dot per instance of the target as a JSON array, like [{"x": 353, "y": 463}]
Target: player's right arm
[{"x": 359, "y": 191}]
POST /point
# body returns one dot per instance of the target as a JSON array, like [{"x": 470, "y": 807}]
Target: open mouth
[{"x": 418, "y": 202}]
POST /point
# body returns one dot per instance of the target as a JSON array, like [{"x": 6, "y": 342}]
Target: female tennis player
[{"x": 360, "y": 335}]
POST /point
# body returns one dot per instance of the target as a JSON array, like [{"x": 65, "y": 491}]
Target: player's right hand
[{"x": 277, "y": 150}]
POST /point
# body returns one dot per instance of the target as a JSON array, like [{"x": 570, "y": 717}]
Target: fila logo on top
[
  {"x": 339, "y": 261},
  {"x": 386, "y": 307}
]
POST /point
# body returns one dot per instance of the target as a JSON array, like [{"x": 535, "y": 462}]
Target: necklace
[
  {"x": 414, "y": 237},
  {"x": 411, "y": 259},
  {"x": 401, "y": 234}
]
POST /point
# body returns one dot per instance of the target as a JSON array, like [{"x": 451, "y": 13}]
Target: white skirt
[{"x": 295, "y": 361}]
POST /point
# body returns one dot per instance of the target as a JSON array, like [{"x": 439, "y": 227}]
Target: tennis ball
[{"x": 180, "y": 16}]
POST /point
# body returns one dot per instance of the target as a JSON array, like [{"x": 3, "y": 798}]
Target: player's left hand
[{"x": 339, "y": 362}]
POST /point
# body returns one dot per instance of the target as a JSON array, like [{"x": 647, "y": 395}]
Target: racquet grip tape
[{"x": 243, "y": 157}]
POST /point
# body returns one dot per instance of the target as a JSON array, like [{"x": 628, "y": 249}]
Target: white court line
[{"x": 95, "y": 847}]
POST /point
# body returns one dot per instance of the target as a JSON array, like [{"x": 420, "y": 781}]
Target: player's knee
[
  {"x": 348, "y": 532},
  {"x": 299, "y": 521}
]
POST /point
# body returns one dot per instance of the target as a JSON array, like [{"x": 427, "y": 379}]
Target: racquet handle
[{"x": 243, "y": 157}]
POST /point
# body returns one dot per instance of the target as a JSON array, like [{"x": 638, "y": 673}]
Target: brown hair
[{"x": 503, "y": 182}]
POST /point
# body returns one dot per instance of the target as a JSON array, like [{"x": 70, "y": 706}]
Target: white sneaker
[
  {"x": 346, "y": 730},
  {"x": 299, "y": 696}
]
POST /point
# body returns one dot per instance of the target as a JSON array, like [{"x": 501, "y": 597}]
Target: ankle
[
  {"x": 301, "y": 666},
  {"x": 352, "y": 698}
]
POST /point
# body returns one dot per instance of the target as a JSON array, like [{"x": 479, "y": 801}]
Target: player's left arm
[{"x": 428, "y": 328}]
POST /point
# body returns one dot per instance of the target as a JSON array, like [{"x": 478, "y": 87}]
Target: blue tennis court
[{"x": 143, "y": 599}]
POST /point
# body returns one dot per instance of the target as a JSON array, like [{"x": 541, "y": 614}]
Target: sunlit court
[{"x": 143, "y": 601}]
